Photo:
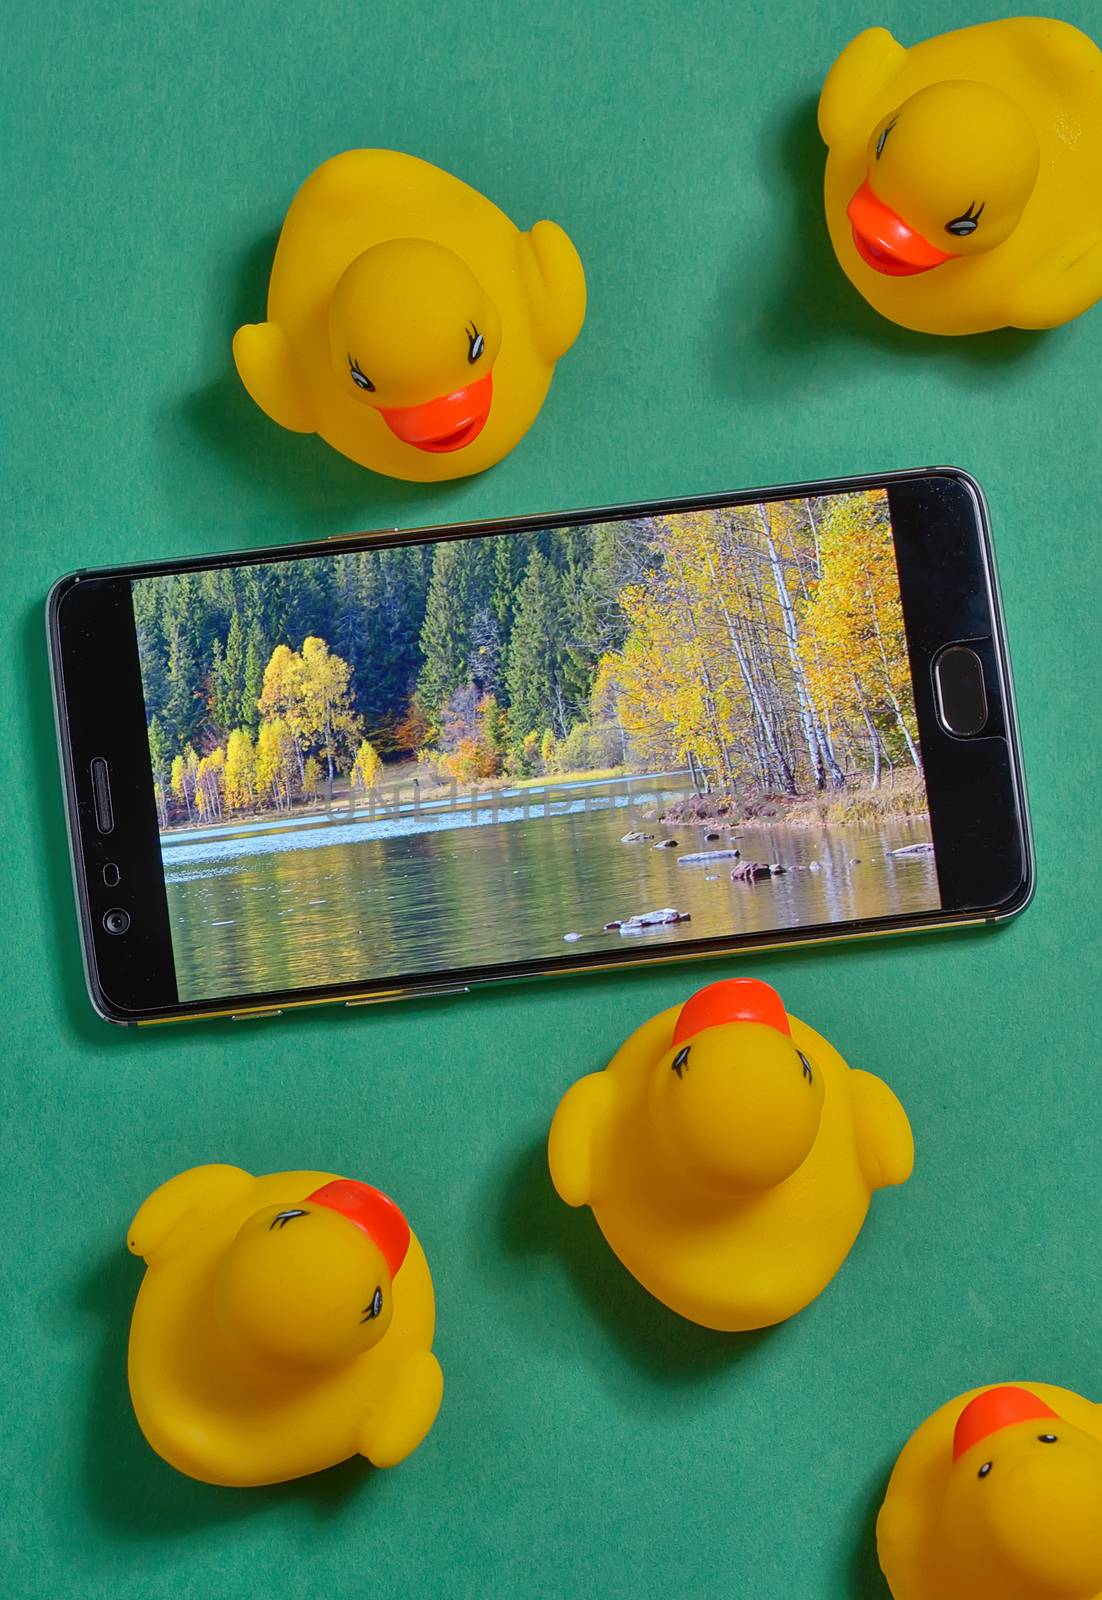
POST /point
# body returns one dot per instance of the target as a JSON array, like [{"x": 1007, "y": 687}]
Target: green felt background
[{"x": 589, "y": 1443}]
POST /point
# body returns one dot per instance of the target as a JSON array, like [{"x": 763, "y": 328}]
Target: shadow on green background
[
  {"x": 805, "y": 307},
  {"x": 129, "y": 1493}
]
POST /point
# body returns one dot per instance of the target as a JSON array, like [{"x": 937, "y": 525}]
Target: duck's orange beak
[
  {"x": 885, "y": 242},
  {"x": 447, "y": 423}
]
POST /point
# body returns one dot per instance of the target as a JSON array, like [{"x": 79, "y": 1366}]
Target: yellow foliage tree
[
  {"x": 183, "y": 779},
  {"x": 367, "y": 767},
  {"x": 311, "y": 693},
  {"x": 239, "y": 777},
  {"x": 854, "y": 645},
  {"x": 209, "y": 785},
  {"x": 311, "y": 778},
  {"x": 281, "y": 697},
  {"x": 327, "y": 713},
  {"x": 276, "y": 762}
]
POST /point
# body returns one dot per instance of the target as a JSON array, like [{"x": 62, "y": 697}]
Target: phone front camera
[{"x": 116, "y": 920}]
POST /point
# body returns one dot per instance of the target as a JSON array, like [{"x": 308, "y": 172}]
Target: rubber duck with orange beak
[
  {"x": 728, "y": 1154},
  {"x": 284, "y": 1324},
  {"x": 964, "y": 177},
  {"x": 410, "y": 323},
  {"x": 998, "y": 1496}
]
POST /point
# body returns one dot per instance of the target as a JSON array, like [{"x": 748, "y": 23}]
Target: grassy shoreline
[{"x": 905, "y": 800}]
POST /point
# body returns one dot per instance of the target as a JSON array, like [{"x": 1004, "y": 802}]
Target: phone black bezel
[{"x": 940, "y": 524}]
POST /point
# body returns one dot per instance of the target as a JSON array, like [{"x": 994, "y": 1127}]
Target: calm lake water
[{"x": 352, "y": 899}]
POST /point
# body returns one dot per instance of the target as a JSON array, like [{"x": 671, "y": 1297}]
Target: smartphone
[{"x": 394, "y": 764}]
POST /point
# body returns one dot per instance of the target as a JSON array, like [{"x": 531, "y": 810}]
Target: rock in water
[
  {"x": 814, "y": 866},
  {"x": 636, "y": 837},
  {"x": 913, "y": 850},
  {"x": 654, "y": 919},
  {"x": 751, "y": 871},
  {"x": 666, "y": 844},
  {"x": 701, "y": 858},
  {"x": 572, "y": 938},
  {"x": 711, "y": 836}
]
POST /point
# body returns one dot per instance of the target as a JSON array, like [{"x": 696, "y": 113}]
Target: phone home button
[{"x": 959, "y": 687}]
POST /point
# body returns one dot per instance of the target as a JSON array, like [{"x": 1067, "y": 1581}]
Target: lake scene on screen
[{"x": 534, "y": 746}]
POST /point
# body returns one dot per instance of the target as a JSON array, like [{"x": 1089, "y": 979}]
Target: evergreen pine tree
[
  {"x": 533, "y": 673},
  {"x": 252, "y": 681}
]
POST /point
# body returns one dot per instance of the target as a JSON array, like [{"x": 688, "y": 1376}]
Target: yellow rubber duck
[
  {"x": 410, "y": 323},
  {"x": 284, "y": 1324},
  {"x": 729, "y": 1154},
  {"x": 964, "y": 179},
  {"x": 998, "y": 1496}
]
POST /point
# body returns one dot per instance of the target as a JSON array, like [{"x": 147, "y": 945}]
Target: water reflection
[{"x": 353, "y": 901}]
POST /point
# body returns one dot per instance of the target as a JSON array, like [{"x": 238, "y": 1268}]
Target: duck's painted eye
[
  {"x": 680, "y": 1060},
  {"x": 360, "y": 379},
  {"x": 1046, "y": 1438},
  {"x": 284, "y": 1218},
  {"x": 373, "y": 1307},
  {"x": 476, "y": 344},
  {"x": 985, "y": 1469},
  {"x": 806, "y": 1064},
  {"x": 883, "y": 139},
  {"x": 962, "y": 226}
]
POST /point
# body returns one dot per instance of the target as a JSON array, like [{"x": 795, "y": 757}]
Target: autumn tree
[
  {"x": 184, "y": 778},
  {"x": 209, "y": 792},
  {"x": 324, "y": 710},
  {"x": 276, "y": 763},
  {"x": 239, "y": 775},
  {"x": 855, "y": 644},
  {"x": 366, "y": 769},
  {"x": 311, "y": 778}
]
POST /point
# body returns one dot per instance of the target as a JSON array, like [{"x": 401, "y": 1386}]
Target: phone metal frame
[{"x": 422, "y": 986}]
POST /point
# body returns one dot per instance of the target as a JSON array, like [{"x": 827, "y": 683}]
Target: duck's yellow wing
[
  {"x": 554, "y": 283},
  {"x": 578, "y": 1129},
  {"x": 275, "y": 381},
  {"x": 1068, "y": 283},
  {"x": 412, "y": 1402},
  {"x": 885, "y": 1143},
  {"x": 856, "y": 84},
  {"x": 199, "y": 1188}
]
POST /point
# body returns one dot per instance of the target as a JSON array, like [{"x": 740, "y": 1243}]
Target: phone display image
[{"x": 476, "y": 750}]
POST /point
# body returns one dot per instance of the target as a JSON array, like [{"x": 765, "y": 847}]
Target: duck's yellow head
[
  {"x": 311, "y": 1283},
  {"x": 733, "y": 1098},
  {"x": 948, "y": 175},
  {"x": 414, "y": 335},
  {"x": 1023, "y": 1504}
]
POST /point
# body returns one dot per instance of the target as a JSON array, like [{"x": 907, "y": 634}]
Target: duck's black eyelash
[
  {"x": 360, "y": 379},
  {"x": 475, "y": 344},
  {"x": 373, "y": 1307},
  {"x": 806, "y": 1066},
  {"x": 968, "y": 223},
  {"x": 883, "y": 139},
  {"x": 284, "y": 1218}
]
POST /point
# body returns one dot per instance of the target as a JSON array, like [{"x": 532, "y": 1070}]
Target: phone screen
[{"x": 483, "y": 751}]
